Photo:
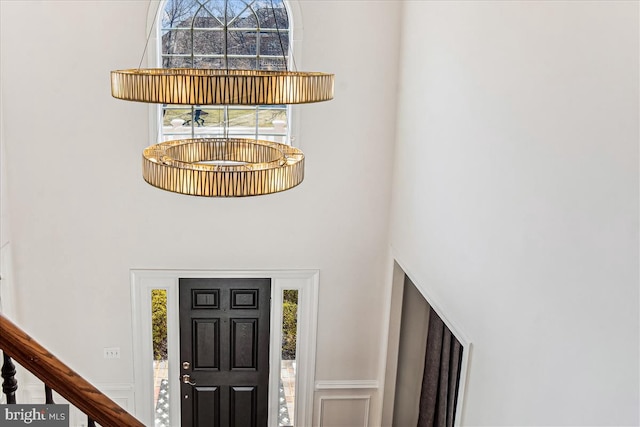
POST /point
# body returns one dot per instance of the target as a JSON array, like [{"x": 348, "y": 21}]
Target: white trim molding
[
  {"x": 347, "y": 385},
  {"x": 363, "y": 419},
  {"x": 305, "y": 281}
]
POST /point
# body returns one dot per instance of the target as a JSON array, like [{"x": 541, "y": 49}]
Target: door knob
[{"x": 187, "y": 379}]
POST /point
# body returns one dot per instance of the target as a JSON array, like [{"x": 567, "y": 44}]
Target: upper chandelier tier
[{"x": 189, "y": 86}]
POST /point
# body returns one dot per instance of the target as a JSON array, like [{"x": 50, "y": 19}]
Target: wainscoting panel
[
  {"x": 345, "y": 403},
  {"x": 343, "y": 411}
]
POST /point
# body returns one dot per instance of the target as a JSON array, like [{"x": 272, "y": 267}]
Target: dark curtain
[{"x": 441, "y": 376}]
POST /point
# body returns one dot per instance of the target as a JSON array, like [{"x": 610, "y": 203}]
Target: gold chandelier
[
  {"x": 222, "y": 167},
  {"x": 192, "y": 86}
]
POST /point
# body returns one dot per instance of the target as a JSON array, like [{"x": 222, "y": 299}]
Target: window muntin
[{"x": 254, "y": 35}]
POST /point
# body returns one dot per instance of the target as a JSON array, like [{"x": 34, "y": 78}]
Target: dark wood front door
[{"x": 224, "y": 352}]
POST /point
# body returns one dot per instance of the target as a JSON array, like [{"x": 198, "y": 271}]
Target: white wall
[
  {"x": 7, "y": 289},
  {"x": 515, "y": 204},
  {"x": 83, "y": 217}
]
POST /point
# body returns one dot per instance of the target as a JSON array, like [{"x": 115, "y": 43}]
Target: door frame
[{"x": 143, "y": 281}]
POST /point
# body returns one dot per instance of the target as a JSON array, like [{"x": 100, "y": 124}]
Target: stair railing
[{"x": 19, "y": 346}]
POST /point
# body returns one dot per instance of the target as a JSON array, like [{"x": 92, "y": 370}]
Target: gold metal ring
[
  {"x": 188, "y": 86},
  {"x": 223, "y": 167}
]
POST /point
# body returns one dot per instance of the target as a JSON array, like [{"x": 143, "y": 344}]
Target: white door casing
[{"x": 144, "y": 281}]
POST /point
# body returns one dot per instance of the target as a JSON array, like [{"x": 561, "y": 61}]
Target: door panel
[
  {"x": 206, "y": 343},
  {"x": 244, "y": 344},
  {"x": 242, "y": 398},
  {"x": 207, "y": 405},
  {"x": 224, "y": 340}
]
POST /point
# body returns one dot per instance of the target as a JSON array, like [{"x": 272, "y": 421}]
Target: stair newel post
[
  {"x": 90, "y": 422},
  {"x": 10, "y": 384},
  {"x": 48, "y": 395}
]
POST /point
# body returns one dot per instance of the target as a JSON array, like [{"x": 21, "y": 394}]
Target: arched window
[{"x": 219, "y": 34}]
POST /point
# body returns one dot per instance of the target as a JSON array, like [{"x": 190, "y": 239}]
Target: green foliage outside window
[
  {"x": 159, "y": 323},
  {"x": 289, "y": 324}
]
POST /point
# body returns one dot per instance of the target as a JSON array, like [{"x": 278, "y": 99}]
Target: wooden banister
[{"x": 55, "y": 374}]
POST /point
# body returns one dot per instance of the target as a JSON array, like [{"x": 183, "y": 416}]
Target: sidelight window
[
  {"x": 287, "y": 395},
  {"x": 161, "y": 405}
]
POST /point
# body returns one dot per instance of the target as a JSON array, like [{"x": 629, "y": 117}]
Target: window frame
[{"x": 154, "y": 59}]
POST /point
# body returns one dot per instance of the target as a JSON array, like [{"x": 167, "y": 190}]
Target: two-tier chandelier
[{"x": 222, "y": 167}]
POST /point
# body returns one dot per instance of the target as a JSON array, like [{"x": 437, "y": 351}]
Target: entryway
[
  {"x": 159, "y": 384},
  {"x": 224, "y": 351}
]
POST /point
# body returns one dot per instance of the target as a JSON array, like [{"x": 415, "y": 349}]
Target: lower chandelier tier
[{"x": 223, "y": 167}]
